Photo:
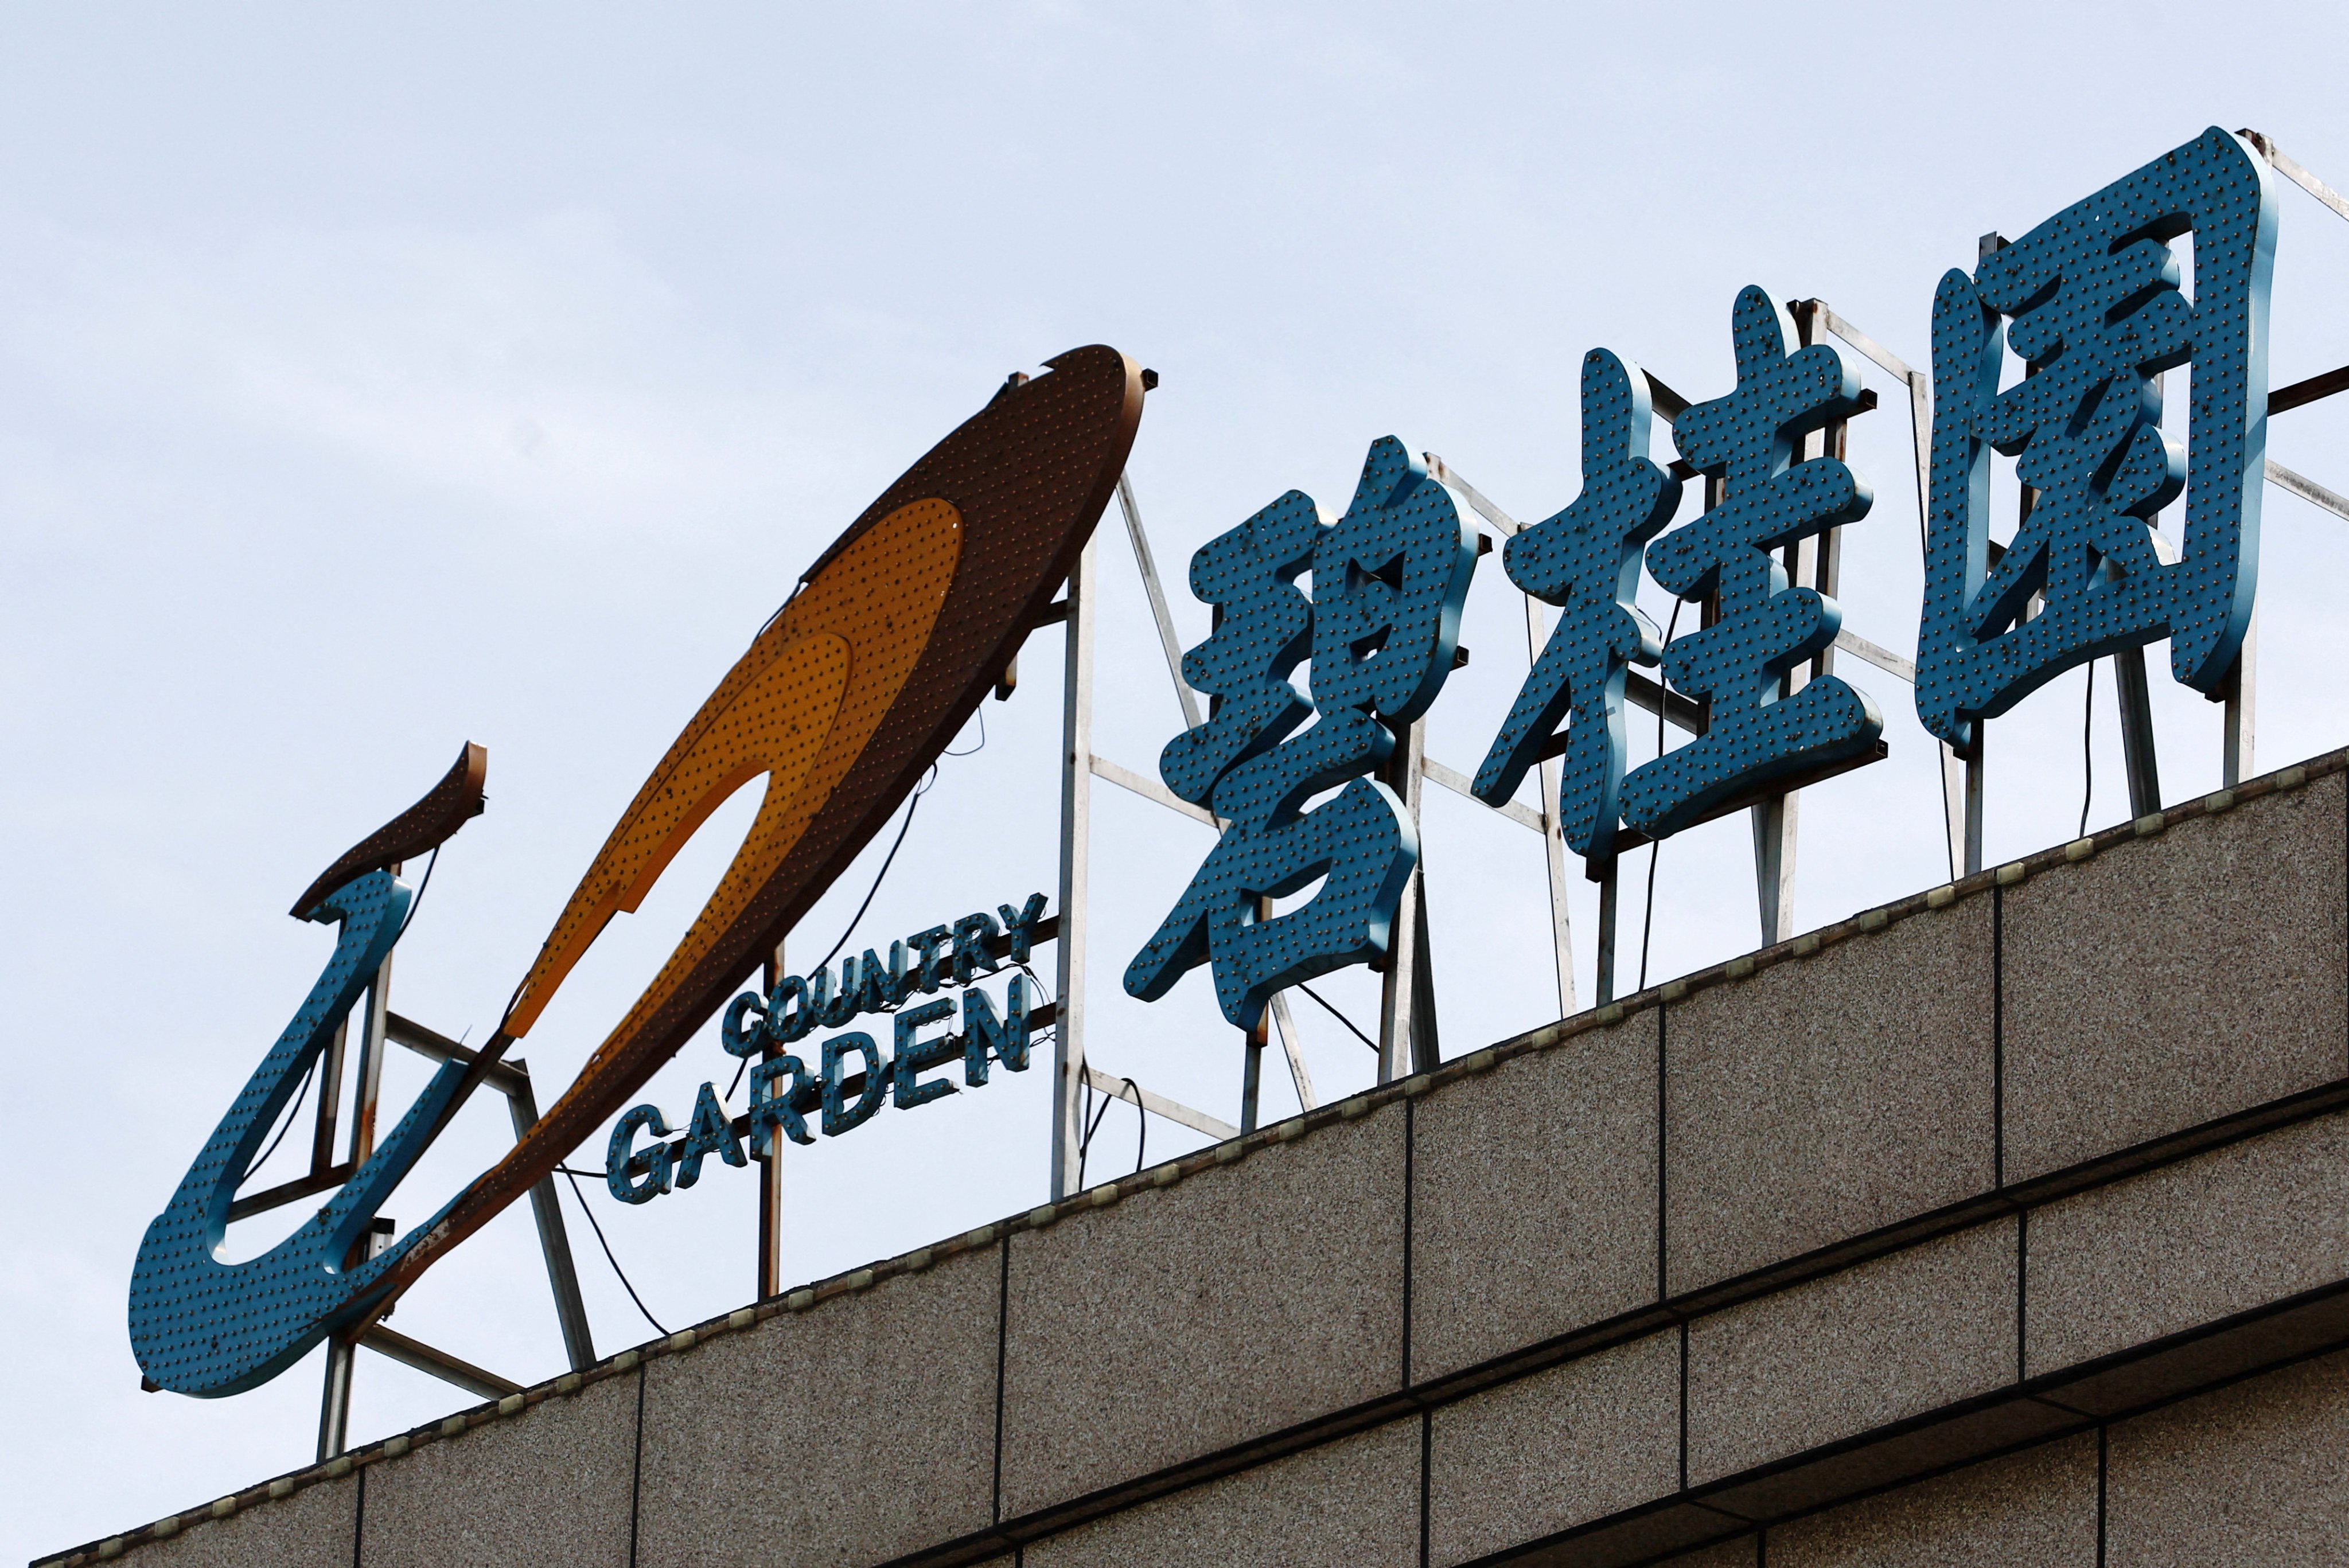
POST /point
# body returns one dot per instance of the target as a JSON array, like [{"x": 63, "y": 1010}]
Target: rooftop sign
[{"x": 892, "y": 638}]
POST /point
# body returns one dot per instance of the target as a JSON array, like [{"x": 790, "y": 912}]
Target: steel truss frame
[
  {"x": 381, "y": 1025},
  {"x": 1407, "y": 1039}
]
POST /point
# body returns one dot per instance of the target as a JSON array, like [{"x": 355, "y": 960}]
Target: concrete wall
[{"x": 2008, "y": 1223}]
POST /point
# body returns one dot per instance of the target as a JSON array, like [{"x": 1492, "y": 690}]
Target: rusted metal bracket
[{"x": 449, "y": 1368}]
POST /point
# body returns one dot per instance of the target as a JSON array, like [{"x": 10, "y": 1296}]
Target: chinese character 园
[{"x": 2096, "y": 313}]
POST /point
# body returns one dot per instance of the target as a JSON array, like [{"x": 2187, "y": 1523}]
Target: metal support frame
[
  {"x": 554, "y": 1240},
  {"x": 1538, "y": 630},
  {"x": 771, "y": 1170},
  {"x": 1159, "y": 1105},
  {"x": 1080, "y": 766},
  {"x": 380, "y": 1027},
  {"x": 1076, "y": 866},
  {"x": 1961, "y": 772},
  {"x": 374, "y": 1007},
  {"x": 1406, "y": 1025},
  {"x": 2241, "y": 694},
  {"x": 1611, "y": 892},
  {"x": 449, "y": 1368},
  {"x": 2131, "y": 695}
]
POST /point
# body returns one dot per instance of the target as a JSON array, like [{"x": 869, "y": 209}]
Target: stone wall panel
[
  {"x": 2173, "y": 980},
  {"x": 1858, "y": 1349},
  {"x": 1830, "y": 1096},
  {"x": 547, "y": 1486},
  {"x": 1353, "y": 1504},
  {"x": 858, "y": 1430},
  {"x": 1244, "y": 1299},
  {"x": 1533, "y": 1198}
]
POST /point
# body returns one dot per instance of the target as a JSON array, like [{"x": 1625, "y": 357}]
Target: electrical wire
[
  {"x": 1663, "y": 700},
  {"x": 288, "y": 1125},
  {"x": 869, "y": 895},
  {"x": 2088, "y": 751},
  {"x": 574, "y": 1176},
  {"x": 1341, "y": 1017},
  {"x": 980, "y": 714},
  {"x": 423, "y": 885},
  {"x": 1092, "y": 1119},
  {"x": 311, "y": 1072}
]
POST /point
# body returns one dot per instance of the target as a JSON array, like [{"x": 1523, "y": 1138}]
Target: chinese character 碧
[{"x": 1389, "y": 580}]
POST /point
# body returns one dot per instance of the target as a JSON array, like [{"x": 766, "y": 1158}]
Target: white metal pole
[
  {"x": 1395, "y": 1027},
  {"x": 1076, "y": 832}
]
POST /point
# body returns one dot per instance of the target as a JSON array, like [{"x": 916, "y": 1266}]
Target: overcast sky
[{"x": 377, "y": 378}]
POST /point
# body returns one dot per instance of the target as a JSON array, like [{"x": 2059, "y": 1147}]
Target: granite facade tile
[
  {"x": 1831, "y": 1095},
  {"x": 858, "y": 1430},
  {"x": 2037, "y": 1507},
  {"x": 1874, "y": 1343},
  {"x": 1245, "y": 1299},
  {"x": 1590, "y": 1437},
  {"x": 2188, "y": 1243},
  {"x": 311, "y": 1529},
  {"x": 2253, "y": 1474},
  {"x": 1353, "y": 1504},
  {"x": 1533, "y": 1198},
  {"x": 2173, "y": 980},
  {"x": 550, "y": 1485}
]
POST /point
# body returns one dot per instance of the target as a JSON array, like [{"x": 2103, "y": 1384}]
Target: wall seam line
[
  {"x": 1998, "y": 1036},
  {"x": 1002, "y": 1357},
  {"x": 358, "y": 1520},
  {"x": 2023, "y": 1295},
  {"x": 1426, "y": 1471},
  {"x": 1663, "y": 1292},
  {"x": 1684, "y": 1405},
  {"x": 637, "y": 1469},
  {"x": 2104, "y": 1448},
  {"x": 1409, "y": 1143}
]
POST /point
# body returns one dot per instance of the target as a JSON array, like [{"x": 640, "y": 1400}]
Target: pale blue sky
[{"x": 374, "y": 378}]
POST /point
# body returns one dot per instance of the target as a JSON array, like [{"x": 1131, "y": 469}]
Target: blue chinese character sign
[
  {"x": 1389, "y": 580},
  {"x": 1757, "y": 732},
  {"x": 207, "y": 1327},
  {"x": 2091, "y": 302},
  {"x": 1586, "y": 560}
]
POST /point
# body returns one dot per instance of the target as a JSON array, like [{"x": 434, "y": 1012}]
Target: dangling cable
[
  {"x": 1663, "y": 700},
  {"x": 869, "y": 895},
  {"x": 422, "y": 887},
  {"x": 982, "y": 716},
  {"x": 284, "y": 1127},
  {"x": 1092, "y": 1121},
  {"x": 311, "y": 1072},
  {"x": 1341, "y": 1017},
  {"x": 2088, "y": 751},
  {"x": 574, "y": 1176}
]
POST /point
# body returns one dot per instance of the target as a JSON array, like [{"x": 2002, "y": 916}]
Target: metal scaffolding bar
[
  {"x": 1167, "y": 640},
  {"x": 770, "y": 1166},
  {"x": 1076, "y": 864},
  {"x": 1134, "y": 1094},
  {"x": 1960, "y": 774},
  {"x": 1398, "y": 1025}
]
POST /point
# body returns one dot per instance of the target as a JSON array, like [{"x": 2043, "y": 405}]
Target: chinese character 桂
[
  {"x": 1757, "y": 731},
  {"x": 1389, "y": 580},
  {"x": 2095, "y": 311},
  {"x": 1586, "y": 560}
]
